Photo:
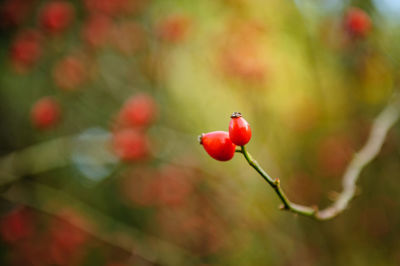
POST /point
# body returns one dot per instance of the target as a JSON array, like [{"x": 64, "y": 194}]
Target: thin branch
[
  {"x": 382, "y": 124},
  {"x": 57, "y": 153},
  {"x": 275, "y": 184},
  {"x": 35, "y": 159}
]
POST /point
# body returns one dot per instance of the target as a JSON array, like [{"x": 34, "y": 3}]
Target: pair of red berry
[{"x": 221, "y": 145}]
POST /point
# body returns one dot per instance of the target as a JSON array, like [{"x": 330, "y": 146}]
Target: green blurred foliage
[{"x": 309, "y": 88}]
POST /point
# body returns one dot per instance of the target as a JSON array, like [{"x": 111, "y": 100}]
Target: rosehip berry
[
  {"x": 239, "y": 130},
  {"x": 218, "y": 145},
  {"x": 56, "y": 16},
  {"x": 26, "y": 50},
  {"x": 140, "y": 110},
  {"x": 357, "y": 22},
  {"x": 239, "y": 60},
  {"x": 16, "y": 225},
  {"x": 130, "y": 144},
  {"x": 45, "y": 113},
  {"x": 70, "y": 73},
  {"x": 96, "y": 31},
  {"x": 65, "y": 239}
]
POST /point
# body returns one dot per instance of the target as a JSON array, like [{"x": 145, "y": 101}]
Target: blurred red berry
[
  {"x": 16, "y": 225},
  {"x": 218, "y": 145},
  {"x": 173, "y": 29},
  {"x": 241, "y": 61},
  {"x": 139, "y": 110},
  {"x": 56, "y": 16},
  {"x": 45, "y": 113},
  {"x": 129, "y": 144},
  {"x": 66, "y": 239},
  {"x": 239, "y": 130},
  {"x": 70, "y": 73},
  {"x": 97, "y": 29},
  {"x": 241, "y": 52},
  {"x": 357, "y": 22},
  {"x": 26, "y": 50}
]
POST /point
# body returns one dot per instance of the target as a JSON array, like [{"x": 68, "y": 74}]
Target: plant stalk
[{"x": 276, "y": 185}]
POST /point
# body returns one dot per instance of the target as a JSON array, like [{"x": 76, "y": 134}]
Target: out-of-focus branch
[
  {"x": 382, "y": 124},
  {"x": 104, "y": 228},
  {"x": 38, "y": 158},
  {"x": 58, "y": 152}
]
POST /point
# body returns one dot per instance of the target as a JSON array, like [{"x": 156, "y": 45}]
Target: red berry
[
  {"x": 130, "y": 144},
  {"x": 65, "y": 238},
  {"x": 70, "y": 73},
  {"x": 239, "y": 60},
  {"x": 239, "y": 130},
  {"x": 16, "y": 225},
  {"x": 26, "y": 50},
  {"x": 357, "y": 22},
  {"x": 45, "y": 113},
  {"x": 56, "y": 16},
  {"x": 96, "y": 31},
  {"x": 140, "y": 110},
  {"x": 218, "y": 145}
]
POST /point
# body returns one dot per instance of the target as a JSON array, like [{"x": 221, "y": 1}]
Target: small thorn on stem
[
  {"x": 333, "y": 195},
  {"x": 277, "y": 182}
]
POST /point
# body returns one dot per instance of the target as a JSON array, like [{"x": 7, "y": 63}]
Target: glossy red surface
[
  {"x": 239, "y": 131},
  {"x": 218, "y": 145}
]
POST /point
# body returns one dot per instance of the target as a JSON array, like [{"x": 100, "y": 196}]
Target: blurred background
[{"x": 102, "y": 102}]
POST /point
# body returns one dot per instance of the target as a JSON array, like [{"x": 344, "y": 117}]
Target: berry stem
[
  {"x": 276, "y": 185},
  {"x": 380, "y": 127}
]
